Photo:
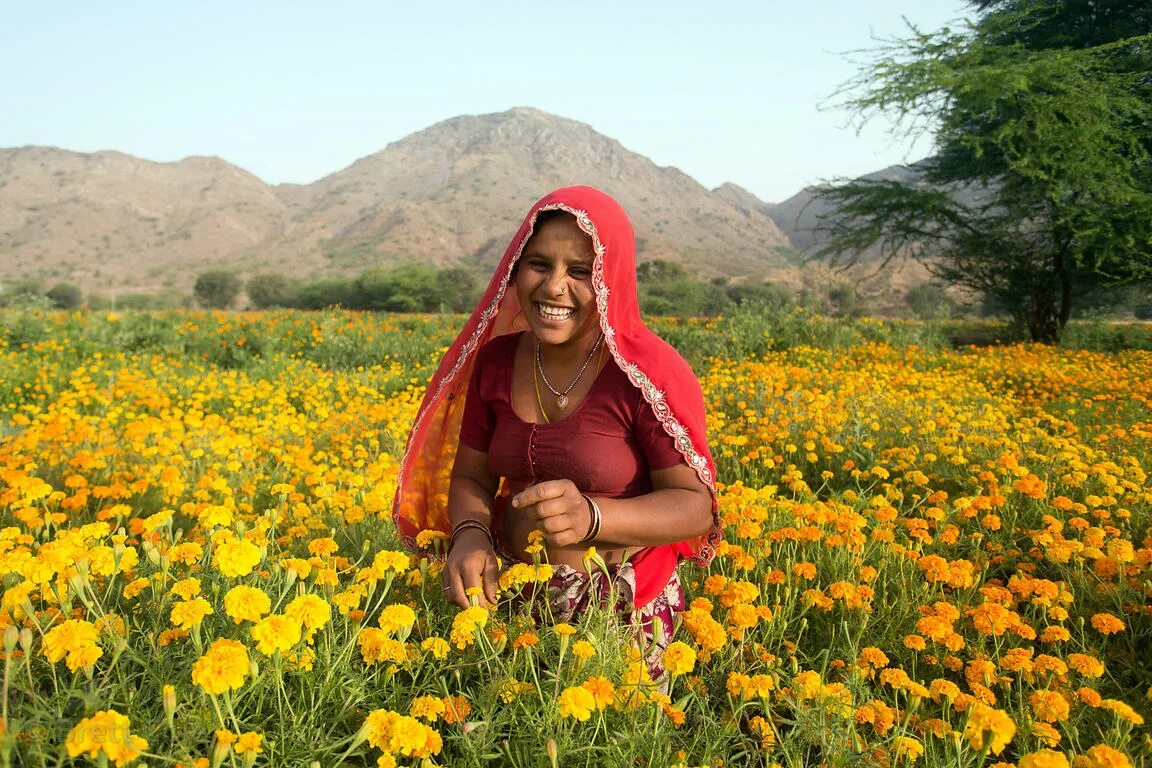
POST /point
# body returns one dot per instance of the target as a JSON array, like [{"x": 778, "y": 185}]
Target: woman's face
[{"x": 554, "y": 283}]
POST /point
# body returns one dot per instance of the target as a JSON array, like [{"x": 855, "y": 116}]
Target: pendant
[{"x": 562, "y": 402}]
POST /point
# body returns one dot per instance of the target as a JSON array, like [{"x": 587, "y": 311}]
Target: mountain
[
  {"x": 450, "y": 195},
  {"x": 456, "y": 192},
  {"x": 799, "y": 216},
  {"x": 107, "y": 218}
]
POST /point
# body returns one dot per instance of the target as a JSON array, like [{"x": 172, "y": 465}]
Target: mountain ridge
[{"x": 451, "y": 194}]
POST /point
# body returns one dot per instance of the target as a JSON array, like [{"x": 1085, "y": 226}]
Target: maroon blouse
[{"x": 607, "y": 446}]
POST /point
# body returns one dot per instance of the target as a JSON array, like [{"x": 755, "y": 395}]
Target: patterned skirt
[{"x": 571, "y": 592}]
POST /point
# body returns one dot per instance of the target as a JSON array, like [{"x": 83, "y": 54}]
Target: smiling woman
[{"x": 558, "y": 417}]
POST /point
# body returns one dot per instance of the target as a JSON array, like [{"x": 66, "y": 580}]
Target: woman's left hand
[{"x": 559, "y": 510}]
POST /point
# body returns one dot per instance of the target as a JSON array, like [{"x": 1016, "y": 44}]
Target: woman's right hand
[{"x": 471, "y": 563}]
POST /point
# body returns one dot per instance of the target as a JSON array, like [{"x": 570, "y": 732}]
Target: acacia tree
[{"x": 1041, "y": 189}]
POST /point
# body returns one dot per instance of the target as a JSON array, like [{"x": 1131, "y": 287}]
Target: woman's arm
[
  {"x": 471, "y": 561},
  {"x": 678, "y": 508}
]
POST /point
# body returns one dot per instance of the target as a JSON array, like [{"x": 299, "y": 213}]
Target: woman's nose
[{"x": 557, "y": 284}]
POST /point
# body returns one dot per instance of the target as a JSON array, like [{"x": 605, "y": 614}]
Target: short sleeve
[
  {"x": 656, "y": 444},
  {"x": 478, "y": 420}
]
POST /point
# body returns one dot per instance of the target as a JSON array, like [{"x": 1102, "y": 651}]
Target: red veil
[{"x": 654, "y": 367}]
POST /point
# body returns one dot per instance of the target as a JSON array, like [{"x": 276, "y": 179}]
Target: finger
[
  {"x": 534, "y": 494},
  {"x": 453, "y": 591},
  {"x": 491, "y": 580}
]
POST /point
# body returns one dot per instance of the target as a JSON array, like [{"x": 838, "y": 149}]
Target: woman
[{"x": 556, "y": 410}]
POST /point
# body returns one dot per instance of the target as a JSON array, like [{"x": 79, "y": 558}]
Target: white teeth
[{"x": 554, "y": 313}]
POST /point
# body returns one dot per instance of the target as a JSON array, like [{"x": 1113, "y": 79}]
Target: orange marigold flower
[
  {"x": 1103, "y": 756},
  {"x": 1107, "y": 624},
  {"x": 1088, "y": 666}
]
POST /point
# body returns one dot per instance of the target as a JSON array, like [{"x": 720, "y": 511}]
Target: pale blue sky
[{"x": 725, "y": 90}]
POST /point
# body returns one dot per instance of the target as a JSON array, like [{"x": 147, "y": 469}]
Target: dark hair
[{"x": 543, "y": 217}]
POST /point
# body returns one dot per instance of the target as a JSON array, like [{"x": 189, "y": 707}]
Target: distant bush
[
  {"x": 929, "y": 301},
  {"x": 408, "y": 288},
  {"x": 270, "y": 289},
  {"x": 20, "y": 292},
  {"x": 217, "y": 289},
  {"x": 64, "y": 295}
]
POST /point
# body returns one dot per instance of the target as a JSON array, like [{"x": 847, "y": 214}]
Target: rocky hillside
[{"x": 452, "y": 194}]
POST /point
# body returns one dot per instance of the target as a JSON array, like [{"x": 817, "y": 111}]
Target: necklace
[{"x": 562, "y": 397}]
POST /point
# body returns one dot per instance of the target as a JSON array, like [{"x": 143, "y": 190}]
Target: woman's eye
[{"x": 580, "y": 273}]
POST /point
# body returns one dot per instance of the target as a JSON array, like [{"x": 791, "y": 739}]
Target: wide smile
[{"x": 552, "y": 312}]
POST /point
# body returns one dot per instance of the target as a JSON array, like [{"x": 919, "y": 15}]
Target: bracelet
[
  {"x": 464, "y": 525},
  {"x": 594, "y": 522}
]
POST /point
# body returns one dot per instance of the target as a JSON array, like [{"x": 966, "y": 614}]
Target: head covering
[{"x": 651, "y": 364}]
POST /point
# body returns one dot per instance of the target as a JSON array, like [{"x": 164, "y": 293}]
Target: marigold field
[{"x": 932, "y": 557}]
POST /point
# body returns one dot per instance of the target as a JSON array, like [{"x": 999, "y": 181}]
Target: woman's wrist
[
  {"x": 595, "y": 519},
  {"x": 465, "y": 527}
]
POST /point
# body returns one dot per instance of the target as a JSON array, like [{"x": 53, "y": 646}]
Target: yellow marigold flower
[
  {"x": 277, "y": 632},
  {"x": 564, "y": 630},
  {"x": 395, "y": 619},
  {"x": 75, "y": 642},
  {"x": 248, "y": 743},
  {"x": 323, "y": 546},
  {"x": 236, "y": 558},
  {"x": 297, "y": 565},
  {"x": 189, "y": 613},
  {"x": 188, "y": 552},
  {"x": 394, "y": 733},
  {"x": 943, "y": 689},
  {"x": 577, "y": 702},
  {"x": 1122, "y": 710},
  {"x": 427, "y": 538},
  {"x": 510, "y": 690},
  {"x": 1049, "y": 706},
  {"x": 465, "y": 625},
  {"x": 1103, "y": 756},
  {"x": 986, "y": 725},
  {"x": 708, "y": 632},
  {"x": 437, "y": 646},
  {"x": 906, "y": 748},
  {"x": 806, "y": 685},
  {"x": 1045, "y": 758},
  {"x": 583, "y": 650},
  {"x": 1107, "y": 624},
  {"x": 376, "y": 647},
  {"x": 391, "y": 560},
  {"x": 107, "y": 732},
  {"x": 1046, "y": 734},
  {"x": 224, "y": 666},
  {"x": 679, "y": 659},
  {"x": 186, "y": 589},
  {"x": 312, "y": 611},
  {"x": 244, "y": 603},
  {"x": 428, "y": 707}
]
